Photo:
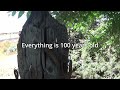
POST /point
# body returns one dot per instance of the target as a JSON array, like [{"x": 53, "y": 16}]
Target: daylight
[
  {"x": 8, "y": 42},
  {"x": 60, "y": 45},
  {"x": 11, "y": 23}
]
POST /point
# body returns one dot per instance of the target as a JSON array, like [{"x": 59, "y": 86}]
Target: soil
[{"x": 7, "y": 65}]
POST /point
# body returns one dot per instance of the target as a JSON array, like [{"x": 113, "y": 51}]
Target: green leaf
[
  {"x": 20, "y": 14},
  {"x": 28, "y": 14},
  {"x": 13, "y": 13}
]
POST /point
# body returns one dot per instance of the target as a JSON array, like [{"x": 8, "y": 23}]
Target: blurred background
[{"x": 9, "y": 34}]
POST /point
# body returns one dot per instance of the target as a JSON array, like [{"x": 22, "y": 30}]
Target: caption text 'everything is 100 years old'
[{"x": 55, "y": 45}]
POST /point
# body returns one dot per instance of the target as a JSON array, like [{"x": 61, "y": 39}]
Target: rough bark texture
[{"x": 43, "y": 63}]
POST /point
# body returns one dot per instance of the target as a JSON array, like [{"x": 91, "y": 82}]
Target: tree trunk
[{"x": 43, "y": 62}]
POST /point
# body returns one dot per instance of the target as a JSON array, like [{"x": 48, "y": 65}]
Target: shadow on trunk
[{"x": 43, "y": 62}]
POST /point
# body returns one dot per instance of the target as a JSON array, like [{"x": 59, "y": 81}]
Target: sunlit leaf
[
  {"x": 20, "y": 14},
  {"x": 28, "y": 14},
  {"x": 13, "y": 13}
]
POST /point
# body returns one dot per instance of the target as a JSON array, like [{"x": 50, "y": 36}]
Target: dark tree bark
[{"x": 43, "y": 63}]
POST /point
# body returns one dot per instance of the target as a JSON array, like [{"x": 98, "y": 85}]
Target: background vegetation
[{"x": 8, "y": 48}]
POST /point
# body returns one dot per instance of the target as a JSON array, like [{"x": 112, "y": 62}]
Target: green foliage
[
  {"x": 13, "y": 13},
  {"x": 20, "y": 14},
  {"x": 28, "y": 14},
  {"x": 99, "y": 27}
]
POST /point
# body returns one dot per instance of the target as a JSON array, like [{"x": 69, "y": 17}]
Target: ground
[{"x": 7, "y": 65}]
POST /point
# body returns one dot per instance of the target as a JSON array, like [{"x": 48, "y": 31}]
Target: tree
[{"x": 45, "y": 62}]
